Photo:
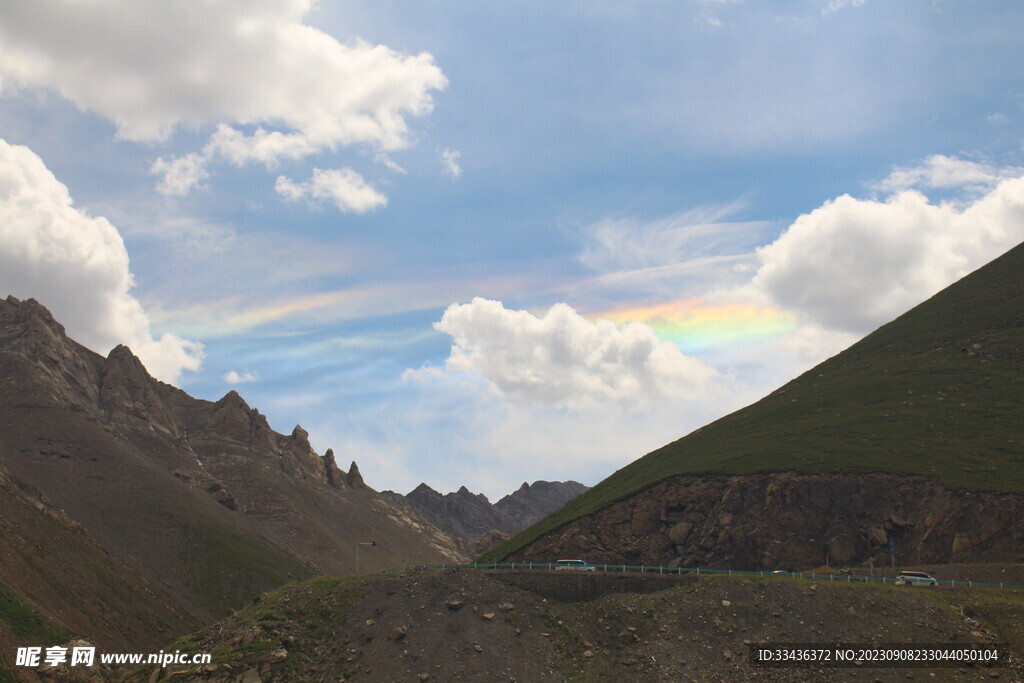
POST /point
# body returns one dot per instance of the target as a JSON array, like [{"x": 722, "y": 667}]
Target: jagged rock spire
[{"x": 354, "y": 478}]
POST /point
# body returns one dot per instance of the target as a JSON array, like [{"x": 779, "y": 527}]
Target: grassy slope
[{"x": 937, "y": 392}]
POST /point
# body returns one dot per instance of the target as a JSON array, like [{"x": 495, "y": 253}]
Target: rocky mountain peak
[
  {"x": 354, "y": 478},
  {"x": 468, "y": 515},
  {"x": 232, "y": 399},
  {"x": 335, "y": 477},
  {"x": 422, "y": 490},
  {"x": 122, "y": 360},
  {"x": 32, "y": 325},
  {"x": 465, "y": 493},
  {"x": 30, "y": 308}
]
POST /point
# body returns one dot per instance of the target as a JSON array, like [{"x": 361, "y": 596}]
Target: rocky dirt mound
[{"x": 555, "y": 626}]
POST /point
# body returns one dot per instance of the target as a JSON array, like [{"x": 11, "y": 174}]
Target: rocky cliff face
[
  {"x": 468, "y": 515},
  {"x": 793, "y": 521},
  {"x": 203, "y": 498}
]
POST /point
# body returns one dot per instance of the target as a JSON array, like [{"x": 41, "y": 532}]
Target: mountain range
[
  {"x": 134, "y": 513},
  {"x": 468, "y": 515},
  {"x": 202, "y": 500}
]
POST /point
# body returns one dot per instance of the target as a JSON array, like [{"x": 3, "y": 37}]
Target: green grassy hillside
[{"x": 937, "y": 392}]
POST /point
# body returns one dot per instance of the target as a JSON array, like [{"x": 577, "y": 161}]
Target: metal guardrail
[{"x": 643, "y": 569}]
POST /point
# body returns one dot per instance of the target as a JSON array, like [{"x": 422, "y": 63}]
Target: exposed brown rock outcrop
[
  {"x": 354, "y": 478},
  {"x": 793, "y": 521}
]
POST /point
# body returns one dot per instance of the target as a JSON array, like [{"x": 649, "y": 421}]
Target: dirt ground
[{"x": 466, "y": 625}]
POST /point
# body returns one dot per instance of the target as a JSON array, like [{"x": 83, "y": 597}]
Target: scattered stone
[
  {"x": 454, "y": 605},
  {"x": 398, "y": 633},
  {"x": 371, "y": 622},
  {"x": 488, "y": 616},
  {"x": 506, "y": 606},
  {"x": 588, "y": 653},
  {"x": 478, "y": 648},
  {"x": 726, "y": 603},
  {"x": 727, "y": 654}
]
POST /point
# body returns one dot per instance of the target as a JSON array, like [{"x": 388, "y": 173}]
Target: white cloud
[
  {"x": 389, "y": 163},
  {"x": 836, "y": 5},
  {"x": 625, "y": 244},
  {"x": 234, "y": 377},
  {"x": 344, "y": 187},
  {"x": 450, "y": 162},
  {"x": 563, "y": 360},
  {"x": 180, "y": 175},
  {"x": 852, "y": 265},
  {"x": 687, "y": 253},
  {"x": 152, "y": 66},
  {"x": 939, "y": 171},
  {"x": 75, "y": 265}
]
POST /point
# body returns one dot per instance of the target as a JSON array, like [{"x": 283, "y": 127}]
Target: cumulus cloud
[
  {"x": 563, "y": 360},
  {"x": 77, "y": 266},
  {"x": 344, "y": 187},
  {"x": 152, "y": 66},
  {"x": 180, "y": 175},
  {"x": 852, "y": 265},
  {"x": 939, "y": 171},
  {"x": 234, "y": 377}
]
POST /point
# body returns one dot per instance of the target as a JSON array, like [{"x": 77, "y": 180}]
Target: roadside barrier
[{"x": 642, "y": 569}]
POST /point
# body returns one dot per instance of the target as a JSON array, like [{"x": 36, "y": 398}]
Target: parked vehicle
[
  {"x": 909, "y": 578},
  {"x": 574, "y": 565}
]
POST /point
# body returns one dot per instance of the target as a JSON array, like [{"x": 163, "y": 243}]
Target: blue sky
[{"x": 490, "y": 243}]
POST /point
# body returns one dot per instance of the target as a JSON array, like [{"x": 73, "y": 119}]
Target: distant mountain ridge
[
  {"x": 468, "y": 515},
  {"x": 931, "y": 402},
  {"x": 200, "y": 503}
]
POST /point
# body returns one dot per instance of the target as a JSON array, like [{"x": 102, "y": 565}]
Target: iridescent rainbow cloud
[{"x": 693, "y": 324}]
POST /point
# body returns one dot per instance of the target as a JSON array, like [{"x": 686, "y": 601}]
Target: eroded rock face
[{"x": 793, "y": 521}]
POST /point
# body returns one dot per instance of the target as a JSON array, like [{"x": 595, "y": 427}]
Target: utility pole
[{"x": 371, "y": 543}]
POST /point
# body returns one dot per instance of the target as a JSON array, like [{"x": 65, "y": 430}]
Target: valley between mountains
[{"x": 139, "y": 518}]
